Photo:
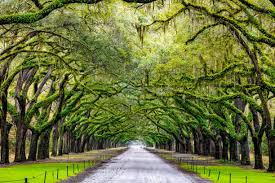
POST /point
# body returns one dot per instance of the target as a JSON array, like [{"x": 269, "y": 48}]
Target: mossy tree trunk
[
  {"x": 33, "y": 146},
  {"x": 225, "y": 146},
  {"x": 234, "y": 154},
  {"x": 44, "y": 143},
  {"x": 20, "y": 154},
  {"x": 245, "y": 152},
  {"x": 55, "y": 136},
  {"x": 271, "y": 144},
  {"x": 5, "y": 129},
  {"x": 258, "y": 153},
  {"x": 218, "y": 148}
]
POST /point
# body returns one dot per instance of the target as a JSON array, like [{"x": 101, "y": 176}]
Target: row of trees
[
  {"x": 201, "y": 75},
  {"x": 57, "y": 77},
  {"x": 222, "y": 94}
]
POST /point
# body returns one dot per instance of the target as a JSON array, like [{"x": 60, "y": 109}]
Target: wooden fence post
[{"x": 45, "y": 176}]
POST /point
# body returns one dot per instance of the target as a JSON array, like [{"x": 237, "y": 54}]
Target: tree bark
[
  {"x": 258, "y": 153},
  {"x": 5, "y": 129},
  {"x": 245, "y": 152},
  {"x": 55, "y": 136},
  {"x": 99, "y": 144},
  {"x": 61, "y": 137},
  {"x": 225, "y": 147},
  {"x": 83, "y": 143},
  {"x": 43, "y": 147},
  {"x": 20, "y": 143},
  {"x": 196, "y": 142},
  {"x": 218, "y": 148},
  {"x": 206, "y": 146},
  {"x": 234, "y": 155},
  {"x": 271, "y": 144},
  {"x": 60, "y": 145},
  {"x": 66, "y": 143},
  {"x": 188, "y": 145},
  {"x": 33, "y": 146}
]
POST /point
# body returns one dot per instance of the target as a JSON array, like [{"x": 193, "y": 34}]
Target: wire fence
[
  {"x": 206, "y": 168},
  {"x": 71, "y": 169},
  {"x": 57, "y": 174}
]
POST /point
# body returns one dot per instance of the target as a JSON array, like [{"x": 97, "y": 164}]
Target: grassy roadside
[
  {"x": 220, "y": 172},
  {"x": 57, "y": 168},
  {"x": 223, "y": 174}
]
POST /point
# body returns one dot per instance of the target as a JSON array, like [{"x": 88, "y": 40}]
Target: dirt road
[{"x": 137, "y": 165}]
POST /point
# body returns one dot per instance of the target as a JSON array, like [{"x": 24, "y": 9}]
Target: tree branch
[
  {"x": 25, "y": 18},
  {"x": 259, "y": 9},
  {"x": 37, "y": 4},
  {"x": 201, "y": 31}
]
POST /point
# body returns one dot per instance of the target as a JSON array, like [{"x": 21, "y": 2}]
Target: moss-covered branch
[
  {"x": 259, "y": 9},
  {"x": 231, "y": 21},
  {"x": 23, "y": 18},
  {"x": 201, "y": 31}
]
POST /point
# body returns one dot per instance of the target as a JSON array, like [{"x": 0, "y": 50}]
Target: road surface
[{"x": 137, "y": 165}]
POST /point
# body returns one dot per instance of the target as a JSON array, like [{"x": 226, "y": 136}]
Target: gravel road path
[{"x": 137, "y": 165}]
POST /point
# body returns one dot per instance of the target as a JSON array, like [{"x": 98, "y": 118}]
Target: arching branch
[
  {"x": 24, "y": 18},
  {"x": 201, "y": 31},
  {"x": 259, "y": 9}
]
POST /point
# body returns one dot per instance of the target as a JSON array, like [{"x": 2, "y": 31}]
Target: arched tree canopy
[{"x": 84, "y": 74}]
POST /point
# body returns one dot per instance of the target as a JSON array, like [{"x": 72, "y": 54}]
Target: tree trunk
[
  {"x": 5, "y": 129},
  {"x": 212, "y": 147},
  {"x": 33, "y": 146},
  {"x": 188, "y": 146},
  {"x": 234, "y": 155},
  {"x": 258, "y": 153},
  {"x": 196, "y": 142},
  {"x": 66, "y": 143},
  {"x": 206, "y": 146},
  {"x": 225, "y": 147},
  {"x": 169, "y": 146},
  {"x": 43, "y": 147},
  {"x": 218, "y": 149},
  {"x": 245, "y": 156},
  {"x": 271, "y": 144},
  {"x": 82, "y": 144},
  {"x": 100, "y": 144},
  {"x": 4, "y": 125},
  {"x": 55, "y": 136},
  {"x": 60, "y": 145},
  {"x": 61, "y": 137},
  {"x": 20, "y": 143},
  {"x": 200, "y": 151},
  {"x": 177, "y": 146},
  {"x": 90, "y": 144}
]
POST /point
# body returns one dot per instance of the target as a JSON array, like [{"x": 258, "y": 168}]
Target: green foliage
[{"x": 155, "y": 72}]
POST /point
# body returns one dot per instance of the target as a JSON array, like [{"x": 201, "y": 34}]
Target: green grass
[
  {"x": 36, "y": 172},
  {"x": 238, "y": 174}
]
